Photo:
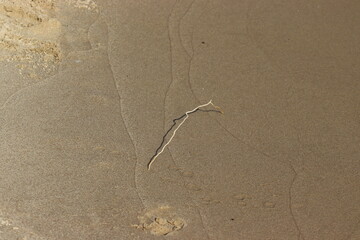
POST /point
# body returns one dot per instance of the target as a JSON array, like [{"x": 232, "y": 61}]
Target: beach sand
[{"x": 88, "y": 90}]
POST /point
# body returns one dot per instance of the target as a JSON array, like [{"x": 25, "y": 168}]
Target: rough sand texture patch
[
  {"x": 160, "y": 221},
  {"x": 29, "y": 34},
  {"x": 84, "y": 4}
]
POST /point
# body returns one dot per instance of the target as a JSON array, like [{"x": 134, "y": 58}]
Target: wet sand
[{"x": 88, "y": 89}]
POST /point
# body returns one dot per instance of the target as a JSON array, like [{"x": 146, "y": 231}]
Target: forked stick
[{"x": 181, "y": 123}]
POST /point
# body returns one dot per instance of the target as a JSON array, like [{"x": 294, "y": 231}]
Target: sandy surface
[{"x": 89, "y": 88}]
